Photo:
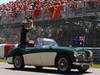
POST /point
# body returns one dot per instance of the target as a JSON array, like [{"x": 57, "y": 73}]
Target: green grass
[{"x": 96, "y": 65}]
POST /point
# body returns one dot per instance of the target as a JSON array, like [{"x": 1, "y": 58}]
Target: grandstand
[
  {"x": 12, "y": 16},
  {"x": 59, "y": 19}
]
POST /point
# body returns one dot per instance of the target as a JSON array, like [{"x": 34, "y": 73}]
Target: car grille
[{"x": 84, "y": 57}]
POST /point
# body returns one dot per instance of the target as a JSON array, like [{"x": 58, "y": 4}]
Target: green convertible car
[{"x": 47, "y": 53}]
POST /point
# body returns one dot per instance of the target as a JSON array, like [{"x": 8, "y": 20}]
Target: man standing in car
[{"x": 25, "y": 28}]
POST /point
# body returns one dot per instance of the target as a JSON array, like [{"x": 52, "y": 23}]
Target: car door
[
  {"x": 47, "y": 57},
  {"x": 32, "y": 56}
]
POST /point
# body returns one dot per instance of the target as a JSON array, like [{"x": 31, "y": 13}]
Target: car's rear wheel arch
[
  {"x": 21, "y": 56},
  {"x": 17, "y": 54}
]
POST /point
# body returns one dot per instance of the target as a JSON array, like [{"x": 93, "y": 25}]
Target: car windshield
[
  {"x": 46, "y": 42},
  {"x": 50, "y": 43},
  {"x": 40, "y": 42}
]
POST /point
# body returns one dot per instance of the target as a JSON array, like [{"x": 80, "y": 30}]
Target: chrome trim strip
[{"x": 79, "y": 64}]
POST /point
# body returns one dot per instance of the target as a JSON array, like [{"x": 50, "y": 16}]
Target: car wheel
[
  {"x": 18, "y": 62},
  {"x": 64, "y": 64},
  {"x": 84, "y": 68}
]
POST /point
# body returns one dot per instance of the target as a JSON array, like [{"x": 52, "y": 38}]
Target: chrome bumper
[
  {"x": 9, "y": 60},
  {"x": 82, "y": 64}
]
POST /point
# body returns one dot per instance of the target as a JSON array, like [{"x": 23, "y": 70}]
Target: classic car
[{"x": 47, "y": 53}]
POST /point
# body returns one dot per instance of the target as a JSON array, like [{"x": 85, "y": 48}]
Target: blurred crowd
[
  {"x": 15, "y": 12},
  {"x": 18, "y": 5},
  {"x": 55, "y": 7},
  {"x": 10, "y": 14}
]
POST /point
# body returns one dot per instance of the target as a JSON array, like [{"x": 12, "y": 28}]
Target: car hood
[
  {"x": 65, "y": 48},
  {"x": 73, "y": 48},
  {"x": 83, "y": 48}
]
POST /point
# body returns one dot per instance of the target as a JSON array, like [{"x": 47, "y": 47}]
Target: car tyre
[
  {"x": 83, "y": 69},
  {"x": 18, "y": 62},
  {"x": 64, "y": 64}
]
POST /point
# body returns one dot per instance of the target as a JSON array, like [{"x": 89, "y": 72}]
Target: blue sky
[{"x": 5, "y": 1}]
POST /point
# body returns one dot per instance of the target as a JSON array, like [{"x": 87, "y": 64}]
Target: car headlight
[
  {"x": 75, "y": 54},
  {"x": 91, "y": 53},
  {"x": 80, "y": 53}
]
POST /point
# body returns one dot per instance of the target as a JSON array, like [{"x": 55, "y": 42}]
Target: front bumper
[
  {"x": 83, "y": 61},
  {"x": 82, "y": 64},
  {"x": 9, "y": 60}
]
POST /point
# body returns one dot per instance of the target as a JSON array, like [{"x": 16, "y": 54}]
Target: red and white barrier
[{"x": 5, "y": 49}]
